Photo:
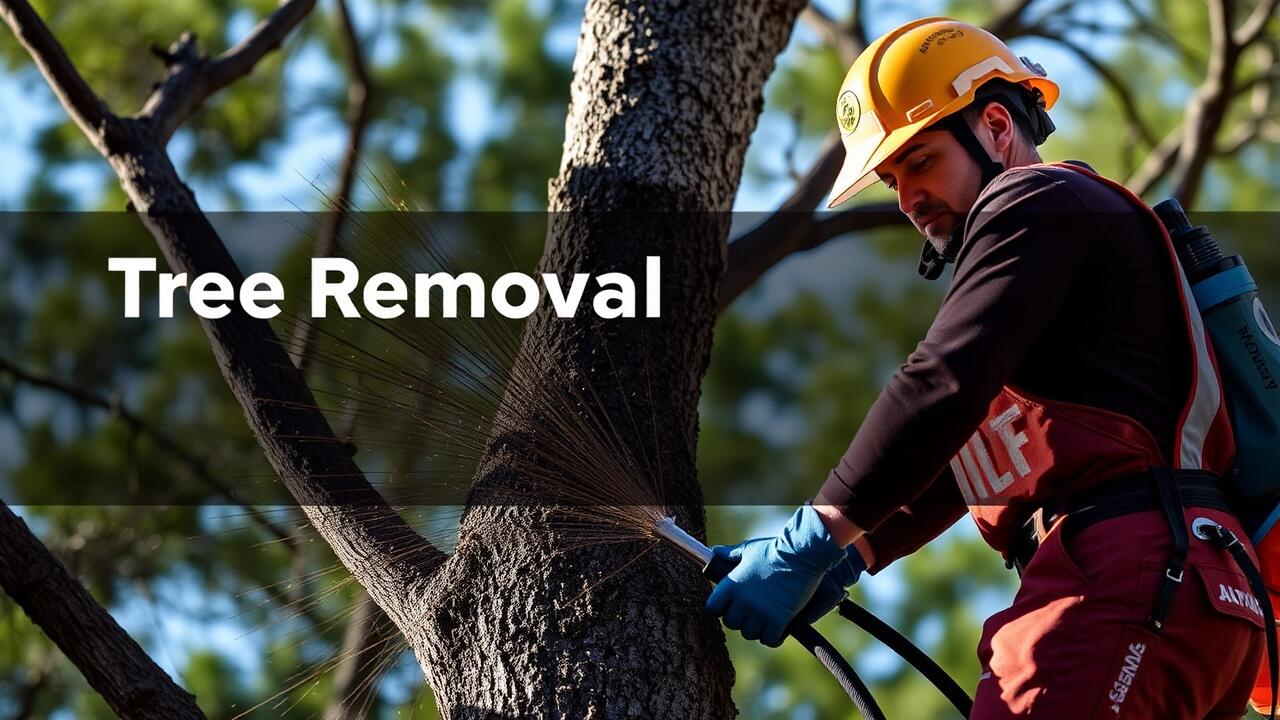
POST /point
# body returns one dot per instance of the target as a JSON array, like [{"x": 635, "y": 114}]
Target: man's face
[{"x": 936, "y": 181}]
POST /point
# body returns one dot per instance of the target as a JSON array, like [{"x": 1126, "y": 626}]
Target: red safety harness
[
  {"x": 1030, "y": 449},
  {"x": 1034, "y": 459}
]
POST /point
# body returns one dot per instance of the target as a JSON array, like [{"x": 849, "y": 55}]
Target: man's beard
[
  {"x": 940, "y": 242},
  {"x": 942, "y": 225}
]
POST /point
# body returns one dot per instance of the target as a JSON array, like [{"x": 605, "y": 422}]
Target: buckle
[
  {"x": 1201, "y": 528},
  {"x": 1168, "y": 572}
]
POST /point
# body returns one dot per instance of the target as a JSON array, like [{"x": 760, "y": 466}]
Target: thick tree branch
[
  {"x": 85, "y": 107},
  {"x": 794, "y": 227},
  {"x": 390, "y": 559},
  {"x": 192, "y": 76},
  {"x": 111, "y": 661}
]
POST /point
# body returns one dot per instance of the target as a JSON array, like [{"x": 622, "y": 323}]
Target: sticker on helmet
[
  {"x": 848, "y": 111},
  {"x": 939, "y": 38}
]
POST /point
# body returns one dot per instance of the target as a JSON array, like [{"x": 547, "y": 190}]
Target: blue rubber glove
[
  {"x": 832, "y": 588},
  {"x": 775, "y": 577}
]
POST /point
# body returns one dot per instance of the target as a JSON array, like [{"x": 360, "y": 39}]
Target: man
[{"x": 1065, "y": 396}]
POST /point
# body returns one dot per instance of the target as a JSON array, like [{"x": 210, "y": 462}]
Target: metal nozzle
[{"x": 667, "y": 529}]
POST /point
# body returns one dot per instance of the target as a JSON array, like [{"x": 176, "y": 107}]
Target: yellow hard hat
[{"x": 911, "y": 77}]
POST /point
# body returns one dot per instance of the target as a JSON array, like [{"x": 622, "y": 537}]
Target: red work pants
[{"x": 1075, "y": 643}]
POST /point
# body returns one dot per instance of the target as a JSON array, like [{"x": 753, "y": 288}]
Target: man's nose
[{"x": 908, "y": 198}]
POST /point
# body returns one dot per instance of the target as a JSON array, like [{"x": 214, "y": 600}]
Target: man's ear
[{"x": 999, "y": 127}]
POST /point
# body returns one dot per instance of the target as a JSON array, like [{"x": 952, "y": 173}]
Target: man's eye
[{"x": 920, "y": 164}]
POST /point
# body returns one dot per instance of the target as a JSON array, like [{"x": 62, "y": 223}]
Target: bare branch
[
  {"x": 754, "y": 252},
  {"x": 359, "y": 91},
  {"x": 862, "y": 217},
  {"x": 82, "y": 103},
  {"x": 363, "y": 661},
  {"x": 193, "y": 77},
  {"x": 1009, "y": 21},
  {"x": 1122, "y": 91},
  {"x": 1260, "y": 110},
  {"x": 1157, "y": 164},
  {"x": 858, "y": 25},
  {"x": 1145, "y": 25},
  {"x": 1251, "y": 29},
  {"x": 1208, "y": 107},
  {"x": 840, "y": 38},
  {"x": 196, "y": 465},
  {"x": 111, "y": 661},
  {"x": 239, "y": 60},
  {"x": 794, "y": 227}
]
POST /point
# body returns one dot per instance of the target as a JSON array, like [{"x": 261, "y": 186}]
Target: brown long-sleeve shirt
[{"x": 1061, "y": 288}]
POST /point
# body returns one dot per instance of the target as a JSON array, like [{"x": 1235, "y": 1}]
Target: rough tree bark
[{"x": 664, "y": 99}]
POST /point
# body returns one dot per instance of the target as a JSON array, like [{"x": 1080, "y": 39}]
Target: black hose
[
  {"x": 720, "y": 565},
  {"x": 822, "y": 649},
  {"x": 907, "y": 650},
  {"x": 817, "y": 645}
]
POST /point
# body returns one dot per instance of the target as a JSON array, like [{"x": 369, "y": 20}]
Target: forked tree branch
[
  {"x": 391, "y": 560},
  {"x": 192, "y": 76},
  {"x": 1261, "y": 111}
]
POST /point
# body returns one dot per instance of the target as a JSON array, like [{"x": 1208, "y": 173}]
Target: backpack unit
[{"x": 1248, "y": 353}]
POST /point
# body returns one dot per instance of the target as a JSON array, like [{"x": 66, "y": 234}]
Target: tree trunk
[{"x": 664, "y": 99}]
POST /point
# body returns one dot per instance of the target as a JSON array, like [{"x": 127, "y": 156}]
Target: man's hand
[{"x": 776, "y": 577}]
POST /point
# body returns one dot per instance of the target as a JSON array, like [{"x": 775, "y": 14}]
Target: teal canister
[{"x": 1246, "y": 344}]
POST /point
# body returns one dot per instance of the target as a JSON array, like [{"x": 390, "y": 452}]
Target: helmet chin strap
[{"x": 933, "y": 262}]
